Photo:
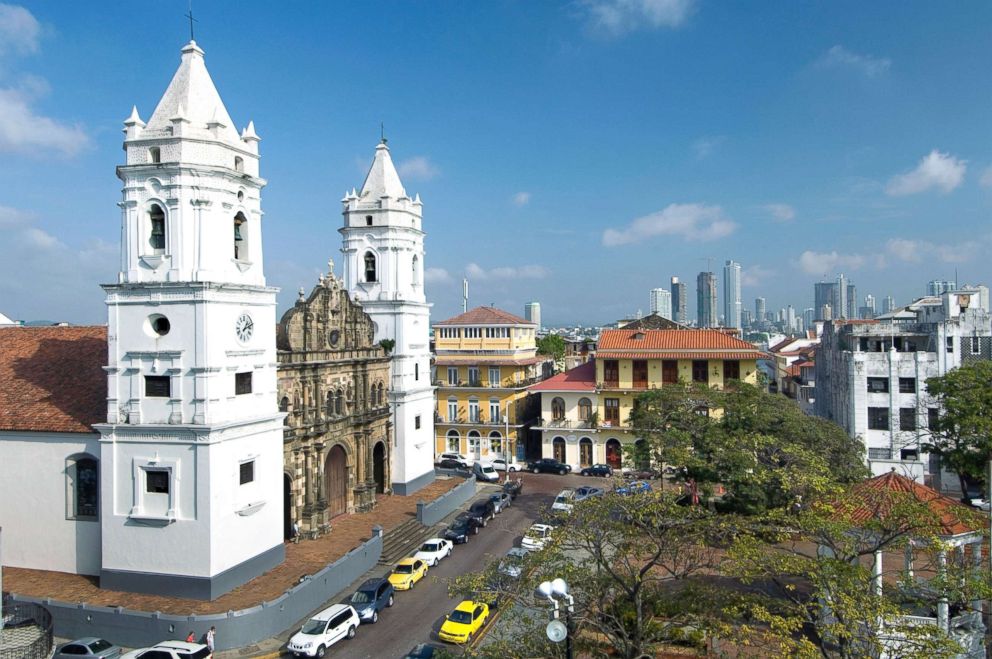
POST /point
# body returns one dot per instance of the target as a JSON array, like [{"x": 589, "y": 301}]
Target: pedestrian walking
[
  {"x": 211, "y": 634},
  {"x": 191, "y": 637}
]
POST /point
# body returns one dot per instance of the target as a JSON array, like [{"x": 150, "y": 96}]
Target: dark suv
[
  {"x": 461, "y": 529},
  {"x": 371, "y": 597},
  {"x": 548, "y": 465},
  {"x": 482, "y": 511}
]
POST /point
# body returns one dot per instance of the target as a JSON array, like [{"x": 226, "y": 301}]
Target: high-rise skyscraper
[
  {"x": 759, "y": 310},
  {"x": 839, "y": 304},
  {"x": 790, "y": 319},
  {"x": 939, "y": 287},
  {"x": 852, "y": 301},
  {"x": 661, "y": 302},
  {"x": 888, "y": 304},
  {"x": 823, "y": 296},
  {"x": 679, "y": 301},
  {"x": 532, "y": 312},
  {"x": 706, "y": 299},
  {"x": 746, "y": 319},
  {"x": 732, "y": 294},
  {"x": 870, "y": 302}
]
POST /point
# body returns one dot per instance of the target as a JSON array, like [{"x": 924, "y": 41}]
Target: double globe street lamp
[{"x": 556, "y": 630}]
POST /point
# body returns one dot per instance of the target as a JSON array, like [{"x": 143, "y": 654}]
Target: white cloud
[
  {"x": 21, "y": 129},
  {"x": 781, "y": 212},
  {"x": 705, "y": 146},
  {"x": 19, "y": 30},
  {"x": 35, "y": 237},
  {"x": 475, "y": 271},
  {"x": 617, "y": 17},
  {"x": 985, "y": 180},
  {"x": 12, "y": 217},
  {"x": 867, "y": 65},
  {"x": 436, "y": 276},
  {"x": 756, "y": 275},
  {"x": 936, "y": 170},
  {"x": 822, "y": 263},
  {"x": 687, "y": 221},
  {"x": 917, "y": 251},
  {"x": 521, "y": 199},
  {"x": 418, "y": 168}
]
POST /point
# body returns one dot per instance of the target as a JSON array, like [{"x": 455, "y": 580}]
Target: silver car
[
  {"x": 501, "y": 500},
  {"x": 95, "y": 648}
]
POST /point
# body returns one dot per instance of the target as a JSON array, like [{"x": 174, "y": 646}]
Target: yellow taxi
[
  {"x": 407, "y": 572},
  {"x": 462, "y": 623}
]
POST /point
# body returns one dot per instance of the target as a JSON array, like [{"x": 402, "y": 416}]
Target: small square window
[
  {"x": 907, "y": 385},
  {"x": 247, "y": 472},
  {"x": 368, "y": 220},
  {"x": 878, "y": 418},
  {"x": 907, "y": 418},
  {"x": 242, "y": 383},
  {"x": 949, "y": 342},
  {"x": 416, "y": 422},
  {"x": 878, "y": 385},
  {"x": 157, "y": 481},
  {"x": 158, "y": 386},
  {"x": 933, "y": 417}
]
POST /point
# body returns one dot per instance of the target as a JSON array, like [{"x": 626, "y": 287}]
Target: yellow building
[
  {"x": 585, "y": 413},
  {"x": 485, "y": 360}
]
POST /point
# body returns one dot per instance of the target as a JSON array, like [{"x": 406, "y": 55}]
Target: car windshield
[
  {"x": 99, "y": 645},
  {"x": 464, "y": 617},
  {"x": 487, "y": 469},
  {"x": 562, "y": 498},
  {"x": 314, "y": 627},
  {"x": 404, "y": 569},
  {"x": 362, "y": 597},
  {"x": 429, "y": 546}
]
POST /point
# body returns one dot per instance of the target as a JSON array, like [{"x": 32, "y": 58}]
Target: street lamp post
[{"x": 556, "y": 630}]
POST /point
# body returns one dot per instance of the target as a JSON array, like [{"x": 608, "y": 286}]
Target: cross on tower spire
[
  {"x": 192, "y": 20},
  {"x": 382, "y": 133}
]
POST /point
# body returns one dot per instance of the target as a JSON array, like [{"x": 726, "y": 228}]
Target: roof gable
[
  {"x": 486, "y": 316},
  {"x": 952, "y": 514},
  {"x": 580, "y": 378},
  {"x": 671, "y": 339}
]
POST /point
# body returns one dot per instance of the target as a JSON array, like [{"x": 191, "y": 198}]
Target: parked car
[
  {"x": 634, "y": 487},
  {"x": 422, "y": 651},
  {"x": 464, "y": 461},
  {"x": 95, "y": 648},
  {"x": 588, "y": 492},
  {"x": 372, "y": 596},
  {"x": 640, "y": 473},
  {"x": 602, "y": 470},
  {"x": 482, "y": 511},
  {"x": 448, "y": 463},
  {"x": 407, "y": 572},
  {"x": 172, "y": 650},
  {"x": 501, "y": 501},
  {"x": 433, "y": 550},
  {"x": 460, "y": 529},
  {"x": 485, "y": 473},
  {"x": 514, "y": 487},
  {"x": 500, "y": 464},
  {"x": 324, "y": 630},
  {"x": 512, "y": 563},
  {"x": 464, "y": 622},
  {"x": 546, "y": 465},
  {"x": 564, "y": 500},
  {"x": 537, "y": 536}
]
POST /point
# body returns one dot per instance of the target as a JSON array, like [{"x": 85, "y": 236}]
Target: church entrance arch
[
  {"x": 336, "y": 481},
  {"x": 287, "y": 507},
  {"x": 379, "y": 467}
]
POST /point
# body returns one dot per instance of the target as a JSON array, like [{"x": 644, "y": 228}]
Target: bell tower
[
  {"x": 383, "y": 247},
  {"x": 191, "y": 493}
]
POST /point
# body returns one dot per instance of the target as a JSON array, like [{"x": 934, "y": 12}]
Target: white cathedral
[{"x": 149, "y": 452}]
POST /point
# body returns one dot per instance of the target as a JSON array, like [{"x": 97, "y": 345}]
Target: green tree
[
  {"x": 962, "y": 433},
  {"x": 553, "y": 346}
]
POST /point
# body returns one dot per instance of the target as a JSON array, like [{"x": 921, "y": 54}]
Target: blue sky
[{"x": 575, "y": 153}]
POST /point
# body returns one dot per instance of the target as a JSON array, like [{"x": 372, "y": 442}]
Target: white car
[
  {"x": 433, "y": 550},
  {"x": 499, "y": 464},
  {"x": 564, "y": 501},
  {"x": 324, "y": 630},
  {"x": 464, "y": 461},
  {"x": 537, "y": 536},
  {"x": 171, "y": 650}
]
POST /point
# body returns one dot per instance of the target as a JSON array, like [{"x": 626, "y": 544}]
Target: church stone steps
[{"x": 403, "y": 541}]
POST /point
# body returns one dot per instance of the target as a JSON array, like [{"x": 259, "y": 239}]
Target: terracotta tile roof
[
  {"x": 485, "y": 316},
  {"x": 580, "y": 378},
  {"x": 452, "y": 360},
  {"x": 690, "y": 339},
  {"x": 954, "y": 516},
  {"x": 52, "y": 378},
  {"x": 684, "y": 354}
]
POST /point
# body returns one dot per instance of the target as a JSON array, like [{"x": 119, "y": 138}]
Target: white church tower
[
  {"x": 191, "y": 454},
  {"x": 384, "y": 270}
]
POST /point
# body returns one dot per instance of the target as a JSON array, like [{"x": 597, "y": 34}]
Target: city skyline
[{"x": 832, "y": 159}]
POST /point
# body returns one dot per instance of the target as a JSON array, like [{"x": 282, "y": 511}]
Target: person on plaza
[
  {"x": 191, "y": 637},
  {"x": 211, "y": 638},
  {"x": 296, "y": 531}
]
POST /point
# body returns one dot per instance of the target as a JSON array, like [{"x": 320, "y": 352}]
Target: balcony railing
[
  {"x": 507, "y": 383},
  {"x": 637, "y": 386}
]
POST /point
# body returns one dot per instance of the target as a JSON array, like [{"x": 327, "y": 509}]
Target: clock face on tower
[{"x": 244, "y": 328}]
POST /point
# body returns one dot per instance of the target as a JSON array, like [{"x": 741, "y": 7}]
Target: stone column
[
  {"x": 319, "y": 481},
  {"x": 307, "y": 478}
]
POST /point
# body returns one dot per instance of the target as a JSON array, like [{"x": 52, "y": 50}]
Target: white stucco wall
[{"x": 34, "y": 504}]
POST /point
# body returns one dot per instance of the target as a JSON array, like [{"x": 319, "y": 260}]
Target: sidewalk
[{"x": 307, "y": 557}]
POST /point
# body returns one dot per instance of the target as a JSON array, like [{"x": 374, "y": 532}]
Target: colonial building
[
  {"x": 585, "y": 412},
  {"x": 486, "y": 358},
  {"x": 383, "y": 247},
  {"x": 333, "y": 387}
]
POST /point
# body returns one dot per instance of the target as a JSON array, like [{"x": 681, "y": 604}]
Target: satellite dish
[{"x": 556, "y": 631}]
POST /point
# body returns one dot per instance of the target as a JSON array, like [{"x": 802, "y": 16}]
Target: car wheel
[
  {"x": 390, "y": 602},
  {"x": 375, "y": 617},
  {"x": 351, "y": 632},
  {"x": 321, "y": 651},
  {"x": 484, "y": 522},
  {"x": 535, "y": 470},
  {"x": 562, "y": 472},
  {"x": 512, "y": 469},
  {"x": 475, "y": 531}
]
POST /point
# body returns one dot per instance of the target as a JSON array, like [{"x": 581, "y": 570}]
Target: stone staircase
[{"x": 404, "y": 540}]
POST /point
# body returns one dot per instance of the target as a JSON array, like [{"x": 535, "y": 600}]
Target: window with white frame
[
  {"x": 453, "y": 441},
  {"x": 472, "y": 333},
  {"x": 494, "y": 410},
  {"x": 473, "y": 410},
  {"x": 82, "y": 488},
  {"x": 494, "y": 376},
  {"x": 452, "y": 375},
  {"x": 452, "y": 410},
  {"x": 495, "y": 442},
  {"x": 474, "y": 442},
  {"x": 473, "y": 376}
]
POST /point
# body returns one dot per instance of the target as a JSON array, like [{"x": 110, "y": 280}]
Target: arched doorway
[
  {"x": 613, "y": 453},
  {"x": 558, "y": 448},
  {"x": 585, "y": 452},
  {"x": 287, "y": 507},
  {"x": 379, "y": 467},
  {"x": 336, "y": 481}
]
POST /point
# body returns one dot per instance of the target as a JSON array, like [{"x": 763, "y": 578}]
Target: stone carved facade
[{"x": 332, "y": 382}]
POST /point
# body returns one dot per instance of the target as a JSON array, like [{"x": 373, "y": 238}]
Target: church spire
[{"x": 382, "y": 179}]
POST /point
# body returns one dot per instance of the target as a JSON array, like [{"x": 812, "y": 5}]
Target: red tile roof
[
  {"x": 682, "y": 354},
  {"x": 955, "y": 518},
  {"x": 690, "y": 339},
  {"x": 485, "y": 316},
  {"x": 52, "y": 378},
  {"x": 580, "y": 378}
]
